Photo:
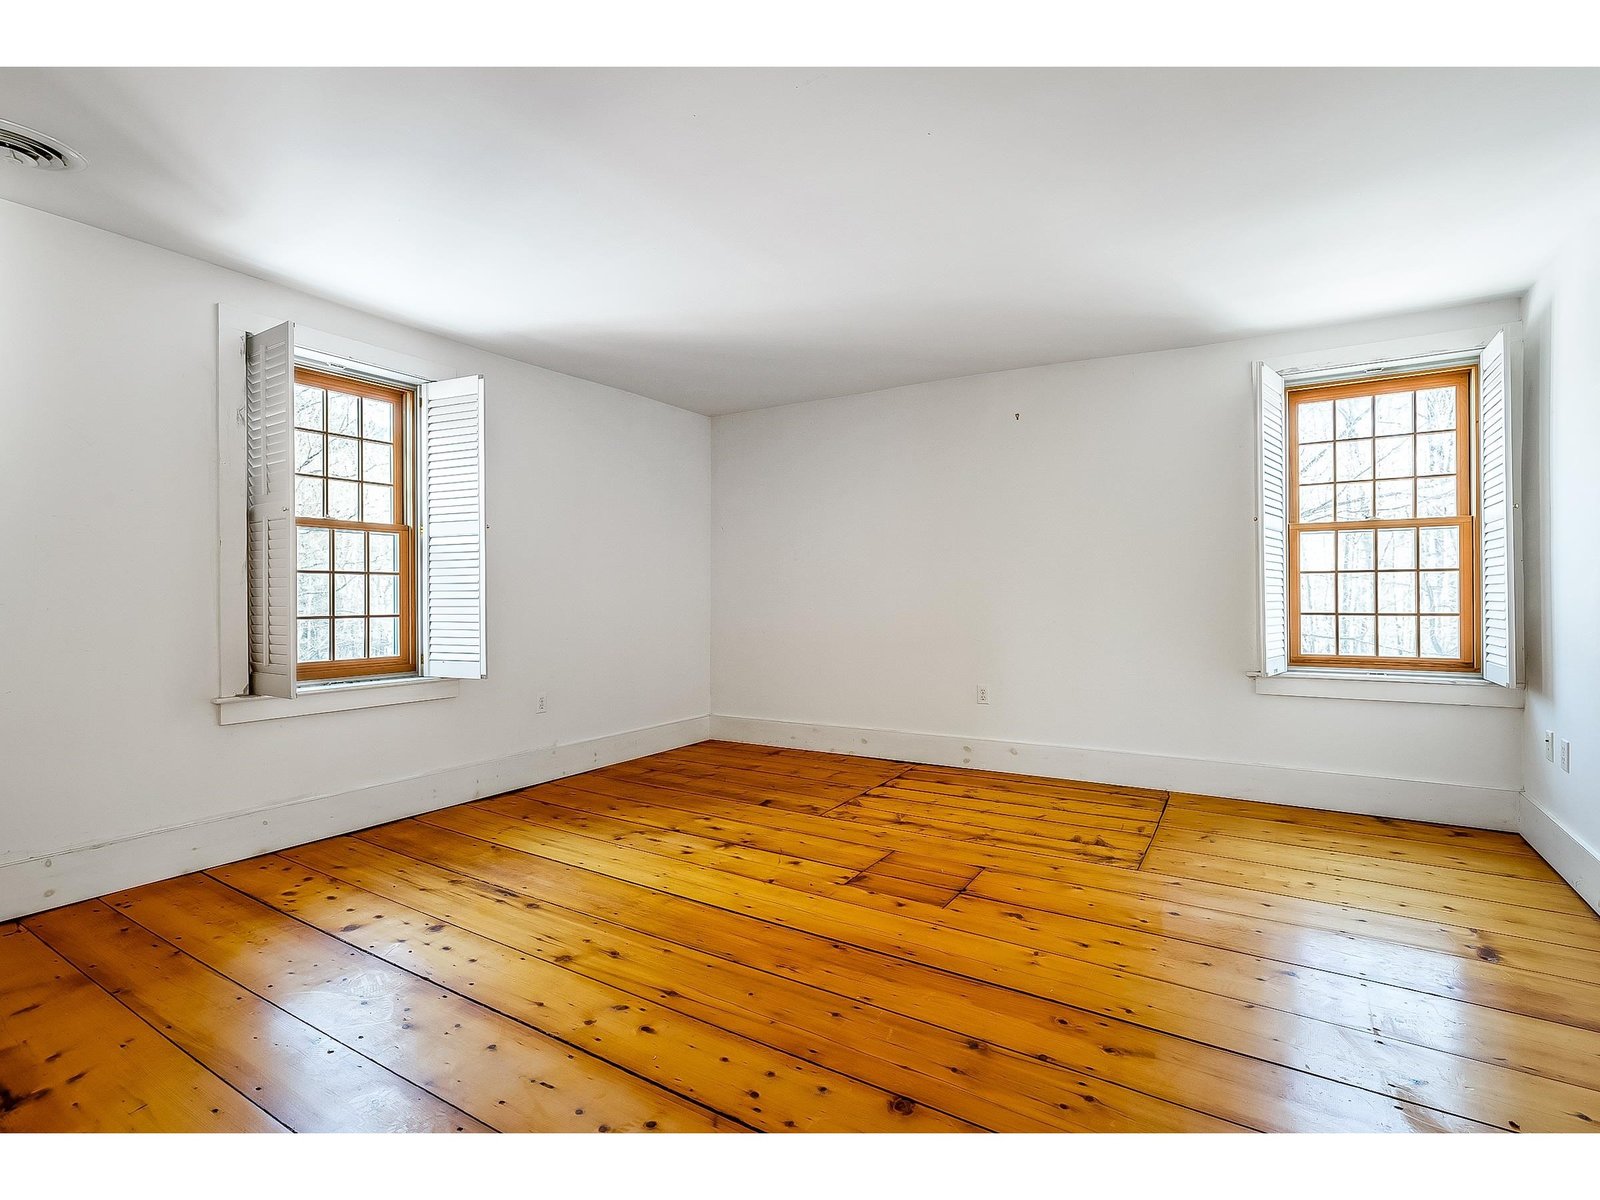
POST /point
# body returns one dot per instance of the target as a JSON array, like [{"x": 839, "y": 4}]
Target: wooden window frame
[
  {"x": 1465, "y": 380},
  {"x": 404, "y": 663}
]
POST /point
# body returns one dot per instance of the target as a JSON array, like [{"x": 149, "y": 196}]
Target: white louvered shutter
[
  {"x": 1274, "y": 519},
  {"x": 454, "y": 631},
  {"x": 1496, "y": 515},
  {"x": 269, "y": 451}
]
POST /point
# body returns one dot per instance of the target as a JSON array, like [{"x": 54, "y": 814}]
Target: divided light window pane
[
  {"x": 1381, "y": 467},
  {"x": 352, "y": 554}
]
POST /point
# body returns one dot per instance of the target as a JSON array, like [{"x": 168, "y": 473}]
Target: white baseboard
[
  {"x": 1410, "y": 799},
  {"x": 49, "y": 881},
  {"x": 1575, "y": 859}
]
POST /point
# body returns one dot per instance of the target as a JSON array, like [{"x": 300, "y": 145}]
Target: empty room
[{"x": 855, "y": 599}]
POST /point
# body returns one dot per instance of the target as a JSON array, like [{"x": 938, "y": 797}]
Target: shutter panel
[
  {"x": 1496, "y": 515},
  {"x": 1274, "y": 518},
  {"x": 454, "y": 632},
  {"x": 269, "y": 449}
]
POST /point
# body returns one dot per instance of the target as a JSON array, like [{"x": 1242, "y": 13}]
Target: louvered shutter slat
[
  {"x": 270, "y": 537},
  {"x": 1274, "y": 517},
  {"x": 1496, "y": 515},
  {"x": 454, "y": 627}
]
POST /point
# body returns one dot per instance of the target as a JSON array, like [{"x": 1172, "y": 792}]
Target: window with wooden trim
[
  {"x": 366, "y": 531},
  {"x": 1382, "y": 529},
  {"x": 354, "y": 560},
  {"x": 1386, "y": 515}
]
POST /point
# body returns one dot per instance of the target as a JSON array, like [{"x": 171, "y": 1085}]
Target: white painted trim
[
  {"x": 333, "y": 697},
  {"x": 1397, "y": 689},
  {"x": 48, "y": 881},
  {"x": 1411, "y": 799},
  {"x": 233, "y": 631},
  {"x": 1574, "y": 858},
  {"x": 1396, "y": 353},
  {"x": 1465, "y": 346}
]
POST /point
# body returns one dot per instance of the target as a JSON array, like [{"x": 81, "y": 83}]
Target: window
[
  {"x": 1386, "y": 517},
  {"x": 1382, "y": 535},
  {"x": 366, "y": 537},
  {"x": 353, "y": 533}
]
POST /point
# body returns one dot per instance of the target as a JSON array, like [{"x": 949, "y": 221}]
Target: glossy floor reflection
[{"x": 733, "y": 937}]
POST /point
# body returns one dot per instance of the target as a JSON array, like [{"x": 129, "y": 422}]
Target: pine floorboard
[{"x": 727, "y": 937}]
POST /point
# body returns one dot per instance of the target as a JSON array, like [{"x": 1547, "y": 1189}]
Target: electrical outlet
[
  {"x": 543, "y": 705},
  {"x": 1566, "y": 756},
  {"x": 1549, "y": 745},
  {"x": 983, "y": 694}
]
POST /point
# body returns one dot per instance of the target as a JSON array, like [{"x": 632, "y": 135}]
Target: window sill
[
  {"x": 1396, "y": 687},
  {"x": 334, "y": 697}
]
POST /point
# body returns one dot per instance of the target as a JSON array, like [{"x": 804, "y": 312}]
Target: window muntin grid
[
  {"x": 353, "y": 537},
  {"x": 1382, "y": 545}
]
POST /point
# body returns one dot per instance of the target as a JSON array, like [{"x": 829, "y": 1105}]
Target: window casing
[
  {"x": 355, "y": 593},
  {"x": 1382, "y": 527},
  {"x": 405, "y": 486}
]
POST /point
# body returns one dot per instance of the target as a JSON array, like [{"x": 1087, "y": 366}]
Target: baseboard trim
[
  {"x": 49, "y": 881},
  {"x": 1409, "y": 799},
  {"x": 1573, "y": 857}
]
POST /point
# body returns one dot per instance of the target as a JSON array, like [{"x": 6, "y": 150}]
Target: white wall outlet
[
  {"x": 543, "y": 704},
  {"x": 983, "y": 694},
  {"x": 1566, "y": 756},
  {"x": 1549, "y": 745}
]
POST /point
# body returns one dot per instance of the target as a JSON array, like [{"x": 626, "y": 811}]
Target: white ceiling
[{"x": 731, "y": 239}]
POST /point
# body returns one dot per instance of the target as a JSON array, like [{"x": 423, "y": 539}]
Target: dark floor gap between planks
[
  {"x": 1166, "y": 799},
  {"x": 904, "y": 767}
]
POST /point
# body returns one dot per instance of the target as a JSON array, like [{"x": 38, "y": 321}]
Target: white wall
[
  {"x": 1561, "y": 499},
  {"x": 599, "y": 568},
  {"x": 1078, "y": 538}
]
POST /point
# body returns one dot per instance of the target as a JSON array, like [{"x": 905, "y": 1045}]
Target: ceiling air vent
[{"x": 32, "y": 149}]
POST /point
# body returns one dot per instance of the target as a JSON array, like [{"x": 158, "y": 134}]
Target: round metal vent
[{"x": 33, "y": 149}]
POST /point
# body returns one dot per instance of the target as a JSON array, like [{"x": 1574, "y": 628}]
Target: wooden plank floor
[{"x": 732, "y": 937}]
